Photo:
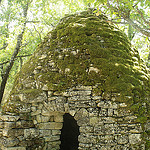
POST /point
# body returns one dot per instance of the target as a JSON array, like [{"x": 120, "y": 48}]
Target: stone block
[
  {"x": 66, "y": 93},
  {"x": 57, "y": 93},
  {"x": 123, "y": 105},
  {"x": 109, "y": 128},
  {"x": 33, "y": 108},
  {"x": 82, "y": 117},
  {"x": 93, "y": 112},
  {"x": 86, "y": 129},
  {"x": 87, "y": 138},
  {"x": 24, "y": 124},
  {"x": 72, "y": 112},
  {"x": 135, "y": 138},
  {"x": 35, "y": 122},
  {"x": 50, "y": 106},
  {"x": 109, "y": 140},
  {"x": 40, "y": 106},
  {"x": 83, "y": 88},
  {"x": 115, "y": 112},
  {"x": 52, "y": 98},
  {"x": 108, "y": 119},
  {"x": 122, "y": 139},
  {"x": 58, "y": 125},
  {"x": 76, "y": 93},
  {"x": 79, "y": 98},
  {"x": 103, "y": 112},
  {"x": 25, "y": 116},
  {"x": 130, "y": 119},
  {"x": 1, "y": 133},
  {"x": 31, "y": 133},
  {"x": 40, "y": 98},
  {"x": 135, "y": 131},
  {"x": 66, "y": 107},
  {"x": 45, "y": 88},
  {"x": 56, "y": 132},
  {"x": 50, "y": 93},
  {"x": 52, "y": 138},
  {"x": 46, "y": 112},
  {"x": 14, "y": 148},
  {"x": 97, "y": 98},
  {"x": 1, "y": 125},
  {"x": 45, "y": 132},
  {"x": 147, "y": 126},
  {"x": 5, "y": 132},
  {"x": 107, "y": 104},
  {"x": 9, "y": 125},
  {"x": 9, "y": 142},
  {"x": 94, "y": 120},
  {"x": 9, "y": 118},
  {"x": 38, "y": 118},
  {"x": 81, "y": 104},
  {"x": 35, "y": 104},
  {"x": 37, "y": 112},
  {"x": 58, "y": 118},
  {"x": 124, "y": 112},
  {"x": 51, "y": 119},
  {"x": 53, "y": 145},
  {"x": 110, "y": 112},
  {"x": 50, "y": 125},
  {"x": 13, "y": 132},
  {"x": 17, "y": 132},
  {"x": 99, "y": 130},
  {"x": 45, "y": 118},
  {"x": 85, "y": 146}
]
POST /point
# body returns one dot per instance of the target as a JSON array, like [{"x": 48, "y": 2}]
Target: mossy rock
[{"x": 85, "y": 49}]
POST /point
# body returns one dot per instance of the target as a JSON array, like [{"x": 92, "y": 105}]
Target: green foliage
[{"x": 147, "y": 145}]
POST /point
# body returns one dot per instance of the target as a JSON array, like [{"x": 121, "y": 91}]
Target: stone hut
[{"x": 84, "y": 88}]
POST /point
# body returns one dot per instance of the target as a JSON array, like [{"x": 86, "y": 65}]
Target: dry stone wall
[
  {"x": 18, "y": 133},
  {"x": 103, "y": 123}
]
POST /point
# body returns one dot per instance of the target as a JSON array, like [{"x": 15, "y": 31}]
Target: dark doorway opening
[{"x": 69, "y": 133}]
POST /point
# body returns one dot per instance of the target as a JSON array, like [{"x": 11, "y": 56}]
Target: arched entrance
[{"x": 69, "y": 133}]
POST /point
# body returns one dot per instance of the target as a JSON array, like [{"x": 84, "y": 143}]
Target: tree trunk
[{"x": 14, "y": 55}]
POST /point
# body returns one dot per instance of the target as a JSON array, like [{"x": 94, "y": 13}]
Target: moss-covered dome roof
[{"x": 85, "y": 49}]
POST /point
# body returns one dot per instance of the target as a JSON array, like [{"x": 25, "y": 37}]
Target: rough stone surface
[{"x": 87, "y": 68}]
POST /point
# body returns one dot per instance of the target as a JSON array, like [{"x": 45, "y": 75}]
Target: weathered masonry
[{"x": 84, "y": 88}]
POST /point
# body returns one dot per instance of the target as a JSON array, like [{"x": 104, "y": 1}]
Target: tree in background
[
  {"x": 23, "y": 24},
  {"x": 133, "y": 17},
  {"x": 5, "y": 71}
]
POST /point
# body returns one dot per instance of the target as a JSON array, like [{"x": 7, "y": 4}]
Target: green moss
[
  {"x": 147, "y": 145},
  {"x": 12, "y": 106},
  {"x": 142, "y": 119},
  {"x": 148, "y": 132},
  {"x": 82, "y": 41},
  {"x": 31, "y": 93}
]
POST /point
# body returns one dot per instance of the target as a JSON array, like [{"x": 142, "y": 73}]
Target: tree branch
[
  {"x": 2, "y": 71},
  {"x": 14, "y": 55},
  {"x": 138, "y": 28},
  {"x": 126, "y": 17},
  {"x": 4, "y": 47},
  {"x": 32, "y": 21},
  {"x": 140, "y": 23},
  {"x": 38, "y": 32},
  {"x": 3, "y": 63},
  {"x": 142, "y": 16},
  {"x": 118, "y": 22}
]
